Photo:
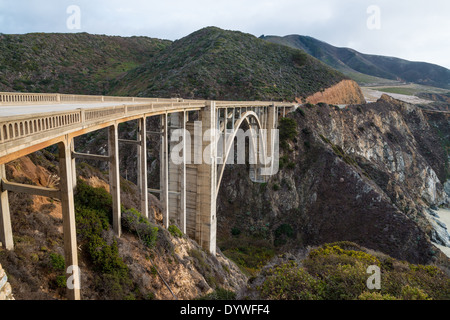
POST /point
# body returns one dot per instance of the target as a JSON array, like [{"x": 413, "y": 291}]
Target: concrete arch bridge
[{"x": 198, "y": 140}]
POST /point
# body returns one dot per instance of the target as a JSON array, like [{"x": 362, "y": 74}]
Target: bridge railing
[
  {"x": 12, "y": 128},
  {"x": 16, "y": 127},
  {"x": 20, "y": 98}
]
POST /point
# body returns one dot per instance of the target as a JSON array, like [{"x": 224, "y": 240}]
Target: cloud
[{"x": 414, "y": 30}]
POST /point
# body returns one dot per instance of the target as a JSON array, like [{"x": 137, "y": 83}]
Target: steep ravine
[{"x": 365, "y": 173}]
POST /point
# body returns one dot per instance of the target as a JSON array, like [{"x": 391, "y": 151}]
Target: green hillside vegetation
[
  {"x": 217, "y": 64},
  {"x": 338, "y": 271},
  {"x": 93, "y": 216},
  {"x": 70, "y": 63},
  {"x": 208, "y": 64},
  {"x": 377, "y": 69}
]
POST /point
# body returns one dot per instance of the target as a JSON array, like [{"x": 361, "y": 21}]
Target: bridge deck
[
  {"x": 31, "y": 121},
  {"x": 17, "y": 110}
]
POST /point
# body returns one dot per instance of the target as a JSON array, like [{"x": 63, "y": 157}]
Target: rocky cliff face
[
  {"x": 5, "y": 287},
  {"x": 344, "y": 92},
  {"x": 365, "y": 174}
]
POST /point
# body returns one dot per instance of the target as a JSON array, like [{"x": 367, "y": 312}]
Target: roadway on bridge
[{"x": 16, "y": 110}]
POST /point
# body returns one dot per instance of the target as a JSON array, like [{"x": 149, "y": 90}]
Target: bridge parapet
[
  {"x": 20, "y": 126},
  {"x": 21, "y": 98}
]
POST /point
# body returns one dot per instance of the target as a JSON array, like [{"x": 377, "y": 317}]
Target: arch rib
[{"x": 230, "y": 142}]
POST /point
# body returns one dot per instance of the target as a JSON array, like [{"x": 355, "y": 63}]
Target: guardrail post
[
  {"x": 6, "y": 237},
  {"x": 82, "y": 116}
]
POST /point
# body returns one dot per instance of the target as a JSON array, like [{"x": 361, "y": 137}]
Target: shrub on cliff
[
  {"x": 92, "y": 213},
  {"x": 290, "y": 282},
  {"x": 338, "y": 271},
  {"x": 287, "y": 131},
  {"x": 137, "y": 224}
]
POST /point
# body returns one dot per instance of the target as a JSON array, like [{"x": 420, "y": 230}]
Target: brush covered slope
[
  {"x": 356, "y": 64},
  {"x": 70, "y": 63},
  {"x": 208, "y": 64},
  {"x": 226, "y": 65},
  {"x": 147, "y": 262}
]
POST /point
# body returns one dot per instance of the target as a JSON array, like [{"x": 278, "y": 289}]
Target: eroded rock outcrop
[{"x": 5, "y": 287}]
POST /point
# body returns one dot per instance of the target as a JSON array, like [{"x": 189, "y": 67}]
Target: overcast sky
[{"x": 415, "y": 30}]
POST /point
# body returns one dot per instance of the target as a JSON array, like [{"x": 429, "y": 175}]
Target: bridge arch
[{"x": 229, "y": 142}]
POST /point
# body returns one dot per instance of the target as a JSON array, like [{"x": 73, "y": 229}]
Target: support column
[
  {"x": 191, "y": 183},
  {"x": 271, "y": 156},
  {"x": 164, "y": 171},
  {"x": 183, "y": 178},
  {"x": 142, "y": 165},
  {"x": 177, "y": 171},
  {"x": 6, "y": 237},
  {"x": 74, "y": 164},
  {"x": 206, "y": 182},
  {"x": 114, "y": 178},
  {"x": 68, "y": 214},
  {"x": 270, "y": 125}
]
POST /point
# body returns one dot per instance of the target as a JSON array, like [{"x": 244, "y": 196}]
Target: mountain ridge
[
  {"x": 217, "y": 64},
  {"x": 75, "y": 63},
  {"x": 353, "y": 63}
]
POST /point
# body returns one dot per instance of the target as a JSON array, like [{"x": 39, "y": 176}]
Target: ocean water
[{"x": 444, "y": 217}]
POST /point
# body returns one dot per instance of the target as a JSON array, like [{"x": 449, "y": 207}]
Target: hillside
[
  {"x": 366, "y": 68},
  {"x": 167, "y": 267},
  {"x": 70, "y": 63},
  {"x": 227, "y": 65},
  {"x": 208, "y": 64}
]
